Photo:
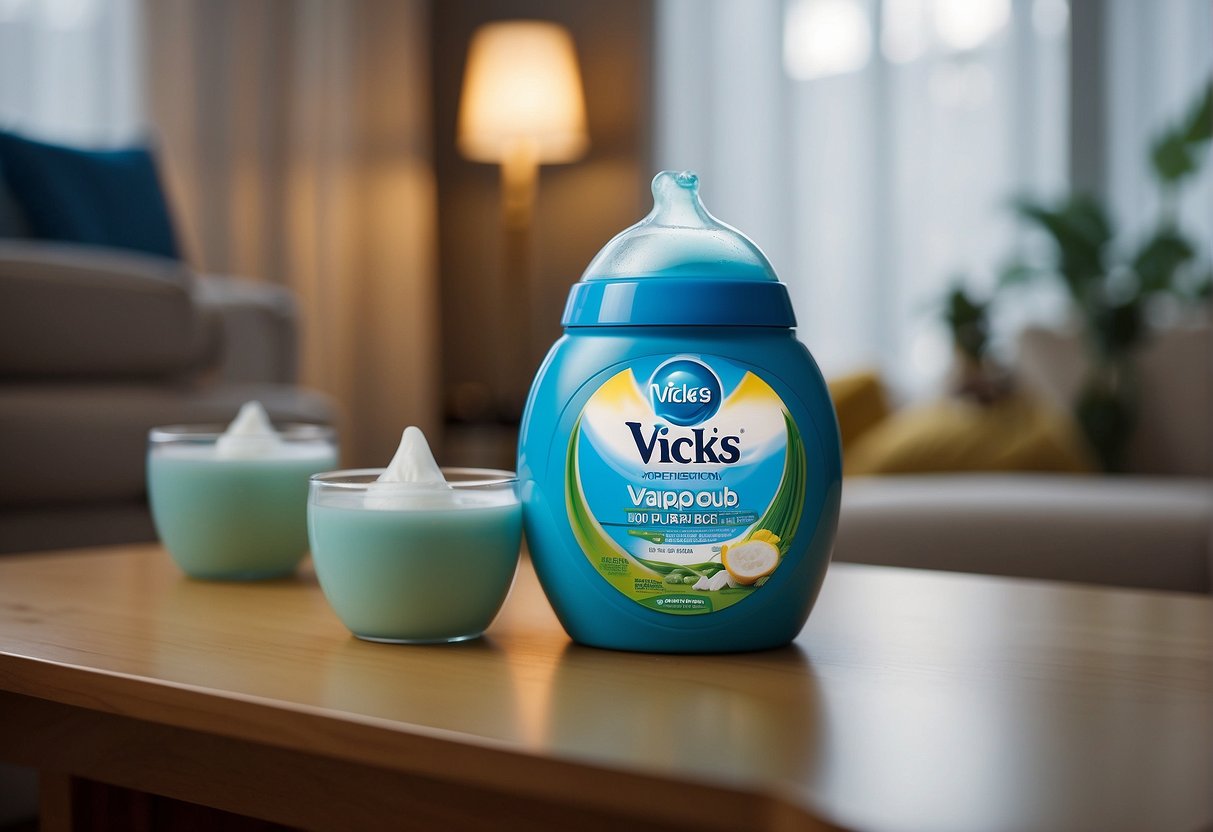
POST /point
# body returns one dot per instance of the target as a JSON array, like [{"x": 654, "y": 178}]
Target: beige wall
[{"x": 296, "y": 138}]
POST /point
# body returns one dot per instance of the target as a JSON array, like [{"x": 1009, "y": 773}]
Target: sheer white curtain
[
  {"x": 1158, "y": 55},
  {"x": 70, "y": 70},
  {"x": 870, "y": 148}
]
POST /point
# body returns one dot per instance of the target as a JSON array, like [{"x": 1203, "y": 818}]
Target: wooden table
[{"x": 912, "y": 701}]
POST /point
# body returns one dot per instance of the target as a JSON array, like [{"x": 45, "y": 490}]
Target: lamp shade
[{"x": 522, "y": 94}]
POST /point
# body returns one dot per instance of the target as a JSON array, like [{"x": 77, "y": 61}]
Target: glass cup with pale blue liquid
[
  {"x": 415, "y": 563},
  {"x": 235, "y": 516}
]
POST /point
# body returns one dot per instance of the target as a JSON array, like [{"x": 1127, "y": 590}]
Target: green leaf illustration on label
[{"x": 782, "y": 518}]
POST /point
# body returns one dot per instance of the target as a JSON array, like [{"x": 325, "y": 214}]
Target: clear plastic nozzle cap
[{"x": 679, "y": 238}]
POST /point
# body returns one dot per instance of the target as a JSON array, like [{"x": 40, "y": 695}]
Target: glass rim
[
  {"x": 211, "y": 431},
  {"x": 358, "y": 479}
]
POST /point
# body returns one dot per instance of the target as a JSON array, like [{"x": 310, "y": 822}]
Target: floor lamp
[{"x": 522, "y": 105}]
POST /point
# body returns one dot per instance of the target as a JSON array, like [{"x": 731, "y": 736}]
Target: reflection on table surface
[{"x": 911, "y": 700}]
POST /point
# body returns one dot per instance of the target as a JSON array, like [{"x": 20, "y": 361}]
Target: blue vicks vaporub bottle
[{"x": 679, "y": 457}]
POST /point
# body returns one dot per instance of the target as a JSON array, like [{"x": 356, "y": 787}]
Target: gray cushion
[
  {"x": 70, "y": 311},
  {"x": 76, "y": 443},
  {"x": 255, "y": 326},
  {"x": 1124, "y": 531},
  {"x": 32, "y": 529},
  {"x": 13, "y": 222}
]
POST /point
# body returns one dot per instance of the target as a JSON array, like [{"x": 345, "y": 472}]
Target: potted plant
[
  {"x": 1111, "y": 283},
  {"x": 977, "y": 375}
]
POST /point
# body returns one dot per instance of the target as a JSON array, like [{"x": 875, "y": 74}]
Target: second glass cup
[{"x": 415, "y": 564}]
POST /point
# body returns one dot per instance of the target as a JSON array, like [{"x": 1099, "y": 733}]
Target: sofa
[
  {"x": 1151, "y": 528},
  {"x": 97, "y": 345}
]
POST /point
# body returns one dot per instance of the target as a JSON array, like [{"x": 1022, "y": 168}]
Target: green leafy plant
[
  {"x": 968, "y": 319},
  {"x": 1111, "y": 284},
  {"x": 977, "y": 375}
]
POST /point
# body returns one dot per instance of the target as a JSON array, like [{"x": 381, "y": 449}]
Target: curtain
[
  {"x": 1157, "y": 57},
  {"x": 69, "y": 70},
  {"x": 295, "y": 137},
  {"x": 871, "y": 148}
]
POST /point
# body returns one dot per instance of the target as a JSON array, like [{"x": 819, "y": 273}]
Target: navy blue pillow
[
  {"x": 12, "y": 219},
  {"x": 99, "y": 197}
]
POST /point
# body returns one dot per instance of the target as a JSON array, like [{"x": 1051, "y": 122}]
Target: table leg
[{"x": 55, "y": 807}]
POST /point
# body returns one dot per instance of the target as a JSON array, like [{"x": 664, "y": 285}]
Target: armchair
[{"x": 97, "y": 346}]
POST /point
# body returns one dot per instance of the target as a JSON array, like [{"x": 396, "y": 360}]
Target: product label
[{"x": 685, "y": 482}]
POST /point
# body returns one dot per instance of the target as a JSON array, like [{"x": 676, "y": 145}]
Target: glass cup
[
  {"x": 411, "y": 563},
  {"x": 234, "y": 518}
]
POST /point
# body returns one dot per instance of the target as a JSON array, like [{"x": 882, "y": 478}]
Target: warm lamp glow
[
  {"x": 521, "y": 107},
  {"x": 522, "y": 95}
]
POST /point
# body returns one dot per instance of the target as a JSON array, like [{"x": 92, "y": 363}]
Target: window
[
  {"x": 69, "y": 70},
  {"x": 871, "y": 146}
]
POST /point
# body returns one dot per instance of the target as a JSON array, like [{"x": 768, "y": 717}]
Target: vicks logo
[{"x": 684, "y": 392}]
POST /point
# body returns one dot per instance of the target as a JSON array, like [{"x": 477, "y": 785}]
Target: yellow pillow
[
  {"x": 860, "y": 404},
  {"x": 1018, "y": 433}
]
